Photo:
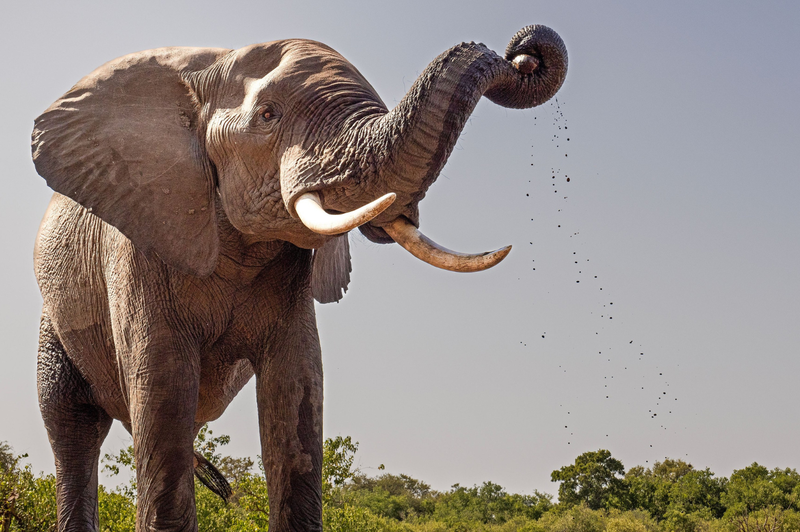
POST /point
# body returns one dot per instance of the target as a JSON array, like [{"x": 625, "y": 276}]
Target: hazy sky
[{"x": 679, "y": 130}]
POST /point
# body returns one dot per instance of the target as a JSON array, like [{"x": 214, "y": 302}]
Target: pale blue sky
[{"x": 684, "y": 127}]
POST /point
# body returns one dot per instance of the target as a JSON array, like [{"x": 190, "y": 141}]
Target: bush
[
  {"x": 27, "y": 502},
  {"x": 670, "y": 497}
]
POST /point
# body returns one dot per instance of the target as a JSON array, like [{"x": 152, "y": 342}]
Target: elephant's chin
[{"x": 375, "y": 234}]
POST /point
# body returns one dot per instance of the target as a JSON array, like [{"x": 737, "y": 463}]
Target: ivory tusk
[
  {"x": 425, "y": 249},
  {"x": 309, "y": 210}
]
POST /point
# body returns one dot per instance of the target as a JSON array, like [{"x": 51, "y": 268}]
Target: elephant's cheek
[{"x": 253, "y": 206}]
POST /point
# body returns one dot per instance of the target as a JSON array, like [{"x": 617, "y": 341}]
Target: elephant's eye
[
  {"x": 269, "y": 112},
  {"x": 267, "y": 115}
]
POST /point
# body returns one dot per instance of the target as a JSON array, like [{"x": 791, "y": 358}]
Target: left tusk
[
  {"x": 425, "y": 249},
  {"x": 309, "y": 210}
]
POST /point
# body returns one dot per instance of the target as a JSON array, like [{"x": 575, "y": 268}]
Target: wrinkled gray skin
[{"x": 173, "y": 267}]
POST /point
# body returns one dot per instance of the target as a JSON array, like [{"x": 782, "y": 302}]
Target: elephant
[{"x": 202, "y": 203}]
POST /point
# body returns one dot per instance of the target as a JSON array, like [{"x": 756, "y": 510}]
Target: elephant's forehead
[
  {"x": 296, "y": 63},
  {"x": 259, "y": 59}
]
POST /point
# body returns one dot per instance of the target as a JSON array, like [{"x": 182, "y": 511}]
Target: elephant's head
[{"x": 287, "y": 133}]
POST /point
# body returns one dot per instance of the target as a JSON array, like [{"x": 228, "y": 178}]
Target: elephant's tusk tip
[
  {"x": 500, "y": 253},
  {"x": 386, "y": 200}
]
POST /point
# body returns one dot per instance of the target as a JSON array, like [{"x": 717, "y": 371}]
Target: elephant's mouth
[{"x": 310, "y": 211}]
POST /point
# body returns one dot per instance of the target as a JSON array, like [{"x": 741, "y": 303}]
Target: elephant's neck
[{"x": 240, "y": 255}]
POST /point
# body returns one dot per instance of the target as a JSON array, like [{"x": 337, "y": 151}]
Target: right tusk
[
  {"x": 309, "y": 210},
  {"x": 425, "y": 249}
]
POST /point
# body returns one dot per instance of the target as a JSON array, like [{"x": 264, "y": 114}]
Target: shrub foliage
[{"x": 595, "y": 494}]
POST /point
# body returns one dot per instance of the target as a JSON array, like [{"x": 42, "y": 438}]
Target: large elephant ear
[
  {"x": 123, "y": 143},
  {"x": 331, "y": 270}
]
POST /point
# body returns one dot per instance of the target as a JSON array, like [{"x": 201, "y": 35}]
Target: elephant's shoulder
[{"x": 75, "y": 248}]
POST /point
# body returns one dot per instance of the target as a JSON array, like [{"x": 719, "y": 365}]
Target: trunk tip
[{"x": 531, "y": 40}]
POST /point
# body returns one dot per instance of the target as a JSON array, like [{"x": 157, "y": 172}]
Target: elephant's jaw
[{"x": 311, "y": 212}]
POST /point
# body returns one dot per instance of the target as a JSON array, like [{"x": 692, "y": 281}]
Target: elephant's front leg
[
  {"x": 289, "y": 389},
  {"x": 163, "y": 387}
]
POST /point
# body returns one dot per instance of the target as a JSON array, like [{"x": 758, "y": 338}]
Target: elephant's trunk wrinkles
[
  {"x": 412, "y": 142},
  {"x": 402, "y": 151}
]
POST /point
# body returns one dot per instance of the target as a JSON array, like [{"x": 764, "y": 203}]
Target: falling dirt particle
[{"x": 567, "y": 180}]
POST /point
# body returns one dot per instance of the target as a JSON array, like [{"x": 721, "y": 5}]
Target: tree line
[{"x": 595, "y": 493}]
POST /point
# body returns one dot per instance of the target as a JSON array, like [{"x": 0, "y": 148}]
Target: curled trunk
[{"x": 409, "y": 146}]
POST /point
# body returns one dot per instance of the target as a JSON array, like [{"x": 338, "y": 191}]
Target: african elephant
[{"x": 202, "y": 202}]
